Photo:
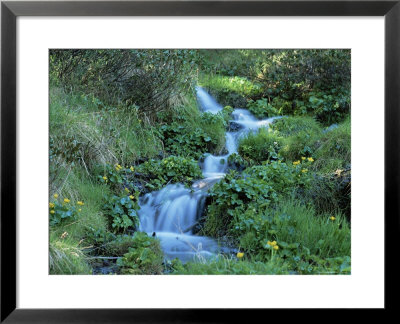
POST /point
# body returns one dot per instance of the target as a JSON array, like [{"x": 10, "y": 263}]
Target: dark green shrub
[{"x": 330, "y": 106}]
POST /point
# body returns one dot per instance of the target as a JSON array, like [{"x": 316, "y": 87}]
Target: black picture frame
[{"x": 11, "y": 10}]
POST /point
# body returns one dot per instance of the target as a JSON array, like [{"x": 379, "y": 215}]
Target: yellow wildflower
[
  {"x": 80, "y": 203},
  {"x": 79, "y": 210},
  {"x": 66, "y": 200},
  {"x": 132, "y": 168},
  {"x": 304, "y": 170},
  {"x": 303, "y": 158},
  {"x": 51, "y": 205},
  {"x": 131, "y": 196},
  {"x": 273, "y": 243},
  {"x": 52, "y": 211},
  {"x": 296, "y": 162},
  {"x": 240, "y": 255},
  {"x": 126, "y": 189},
  {"x": 332, "y": 218},
  {"x": 55, "y": 196},
  {"x": 105, "y": 178},
  {"x": 269, "y": 243},
  {"x": 338, "y": 172},
  {"x": 310, "y": 159},
  {"x": 276, "y": 247}
]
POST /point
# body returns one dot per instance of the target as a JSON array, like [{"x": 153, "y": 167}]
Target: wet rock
[{"x": 234, "y": 126}]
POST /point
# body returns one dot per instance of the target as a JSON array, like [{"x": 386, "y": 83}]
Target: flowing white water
[{"x": 171, "y": 213}]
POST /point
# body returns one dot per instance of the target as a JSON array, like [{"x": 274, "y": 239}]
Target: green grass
[
  {"x": 66, "y": 256},
  {"x": 322, "y": 236},
  {"x": 93, "y": 134},
  {"x": 260, "y": 146},
  {"x": 300, "y": 136},
  {"x": 232, "y": 91},
  {"x": 228, "y": 265},
  {"x": 334, "y": 151}
]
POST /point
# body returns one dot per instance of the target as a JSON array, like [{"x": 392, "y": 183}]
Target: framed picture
[{"x": 179, "y": 155}]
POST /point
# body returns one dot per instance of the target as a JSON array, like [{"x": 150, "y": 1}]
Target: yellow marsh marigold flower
[
  {"x": 131, "y": 196},
  {"x": 79, "y": 210},
  {"x": 104, "y": 178},
  {"x": 332, "y": 218},
  {"x": 126, "y": 189},
  {"x": 310, "y": 159},
  {"x": 132, "y": 168},
  {"x": 66, "y": 200},
  {"x": 303, "y": 158},
  {"x": 269, "y": 243},
  {"x": 51, "y": 205},
  {"x": 276, "y": 247},
  {"x": 304, "y": 170},
  {"x": 296, "y": 162},
  {"x": 52, "y": 211},
  {"x": 80, "y": 203},
  {"x": 273, "y": 243},
  {"x": 240, "y": 255},
  {"x": 338, "y": 172},
  {"x": 55, "y": 196}
]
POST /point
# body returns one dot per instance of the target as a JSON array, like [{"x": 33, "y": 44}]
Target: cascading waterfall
[{"x": 171, "y": 213}]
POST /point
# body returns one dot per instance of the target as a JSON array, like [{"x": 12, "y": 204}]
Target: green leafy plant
[
  {"x": 257, "y": 187},
  {"x": 144, "y": 257},
  {"x": 64, "y": 210},
  {"x": 184, "y": 140},
  {"x": 172, "y": 169},
  {"x": 261, "y": 108},
  {"x": 122, "y": 212}
]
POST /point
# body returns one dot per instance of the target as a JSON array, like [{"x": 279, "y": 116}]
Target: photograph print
[{"x": 200, "y": 161}]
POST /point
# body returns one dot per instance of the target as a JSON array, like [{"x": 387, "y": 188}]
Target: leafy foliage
[
  {"x": 122, "y": 212},
  {"x": 61, "y": 211},
  {"x": 284, "y": 227},
  {"x": 183, "y": 140},
  {"x": 173, "y": 169},
  {"x": 257, "y": 187},
  {"x": 261, "y": 108},
  {"x": 144, "y": 257}
]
